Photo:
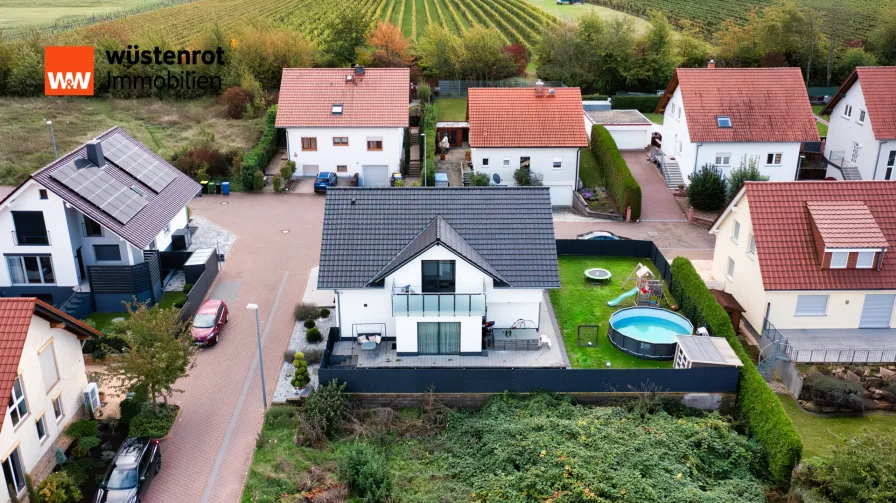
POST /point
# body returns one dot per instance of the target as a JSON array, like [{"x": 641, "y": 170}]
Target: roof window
[
  {"x": 724, "y": 121},
  {"x": 337, "y": 109}
]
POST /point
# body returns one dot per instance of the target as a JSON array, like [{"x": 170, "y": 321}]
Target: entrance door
[
  {"x": 80, "y": 259},
  {"x": 877, "y": 311},
  {"x": 438, "y": 338}
]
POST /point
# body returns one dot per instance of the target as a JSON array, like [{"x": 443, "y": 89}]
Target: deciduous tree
[
  {"x": 483, "y": 56},
  {"x": 389, "y": 47},
  {"x": 883, "y": 38},
  {"x": 438, "y": 52},
  {"x": 345, "y": 34}
]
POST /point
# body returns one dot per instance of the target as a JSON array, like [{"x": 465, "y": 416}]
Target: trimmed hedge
[
  {"x": 595, "y": 97},
  {"x": 643, "y": 104},
  {"x": 261, "y": 154},
  {"x": 757, "y": 404},
  {"x": 428, "y": 125},
  {"x": 612, "y": 172}
]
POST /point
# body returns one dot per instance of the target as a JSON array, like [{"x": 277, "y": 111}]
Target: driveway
[
  {"x": 657, "y": 203},
  {"x": 210, "y": 449}
]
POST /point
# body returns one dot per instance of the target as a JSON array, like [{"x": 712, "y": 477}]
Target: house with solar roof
[{"x": 86, "y": 230}]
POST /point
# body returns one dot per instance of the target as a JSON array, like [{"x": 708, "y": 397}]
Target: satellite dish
[{"x": 497, "y": 178}]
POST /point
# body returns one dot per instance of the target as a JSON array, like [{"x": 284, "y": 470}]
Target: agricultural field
[
  {"x": 569, "y": 12},
  {"x": 19, "y": 17}
]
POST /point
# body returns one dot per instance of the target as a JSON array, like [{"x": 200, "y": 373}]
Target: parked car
[
  {"x": 207, "y": 322},
  {"x": 131, "y": 471},
  {"x": 600, "y": 236},
  {"x": 325, "y": 180}
]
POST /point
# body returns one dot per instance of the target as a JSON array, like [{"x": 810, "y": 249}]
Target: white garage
[
  {"x": 310, "y": 170},
  {"x": 629, "y": 128},
  {"x": 561, "y": 194},
  {"x": 375, "y": 176}
]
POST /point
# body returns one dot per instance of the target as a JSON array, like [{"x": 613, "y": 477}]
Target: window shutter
[{"x": 811, "y": 305}]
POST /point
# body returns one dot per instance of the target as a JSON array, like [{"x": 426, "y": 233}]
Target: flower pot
[{"x": 442, "y": 156}]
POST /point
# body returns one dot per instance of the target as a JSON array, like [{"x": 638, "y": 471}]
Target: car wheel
[
  {"x": 217, "y": 338},
  {"x": 226, "y": 317}
]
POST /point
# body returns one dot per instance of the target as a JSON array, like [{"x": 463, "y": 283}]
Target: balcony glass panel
[
  {"x": 400, "y": 305},
  {"x": 430, "y": 305},
  {"x": 446, "y": 305},
  {"x": 415, "y": 305},
  {"x": 462, "y": 305},
  {"x": 477, "y": 305}
]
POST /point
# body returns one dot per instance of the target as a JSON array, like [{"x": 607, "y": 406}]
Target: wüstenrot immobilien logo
[{"x": 68, "y": 71}]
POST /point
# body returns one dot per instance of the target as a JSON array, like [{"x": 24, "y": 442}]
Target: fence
[
  {"x": 201, "y": 287},
  {"x": 623, "y": 248},
  {"x": 459, "y": 88}
]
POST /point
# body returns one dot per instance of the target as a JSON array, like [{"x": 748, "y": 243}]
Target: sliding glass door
[{"x": 441, "y": 338}]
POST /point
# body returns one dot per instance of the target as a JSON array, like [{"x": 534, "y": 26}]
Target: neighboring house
[
  {"x": 86, "y": 229},
  {"x": 722, "y": 116},
  {"x": 629, "y": 128},
  {"x": 42, "y": 372},
  {"x": 423, "y": 266},
  {"x": 810, "y": 262},
  {"x": 347, "y": 121},
  {"x": 537, "y": 128},
  {"x": 862, "y": 131}
]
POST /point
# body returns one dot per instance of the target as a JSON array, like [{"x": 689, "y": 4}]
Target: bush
[
  {"x": 187, "y": 287},
  {"x": 596, "y": 97},
  {"x": 257, "y": 181},
  {"x": 304, "y": 312},
  {"x": 861, "y": 470},
  {"x": 524, "y": 177},
  {"x": 643, "y": 104},
  {"x": 309, "y": 323},
  {"x": 365, "y": 471},
  {"x": 314, "y": 355},
  {"x": 324, "y": 411},
  {"x": 204, "y": 162},
  {"x": 148, "y": 424},
  {"x": 612, "y": 172},
  {"x": 287, "y": 170},
  {"x": 707, "y": 189},
  {"x": 277, "y": 181},
  {"x": 235, "y": 99},
  {"x": 424, "y": 91},
  {"x": 829, "y": 391},
  {"x": 479, "y": 179},
  {"x": 759, "y": 408},
  {"x": 258, "y": 157},
  {"x": 313, "y": 335},
  {"x": 300, "y": 377},
  {"x": 746, "y": 172},
  {"x": 428, "y": 126},
  {"x": 324, "y": 313},
  {"x": 58, "y": 487},
  {"x": 129, "y": 408}
]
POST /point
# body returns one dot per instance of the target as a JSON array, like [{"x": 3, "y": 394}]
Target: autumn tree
[
  {"x": 388, "y": 46},
  {"x": 438, "y": 52},
  {"x": 518, "y": 55},
  {"x": 264, "y": 53}
]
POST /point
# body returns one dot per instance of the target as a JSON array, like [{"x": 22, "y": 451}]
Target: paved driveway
[
  {"x": 210, "y": 449},
  {"x": 657, "y": 202}
]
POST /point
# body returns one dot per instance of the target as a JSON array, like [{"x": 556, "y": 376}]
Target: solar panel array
[
  {"x": 108, "y": 194},
  {"x": 139, "y": 163}
]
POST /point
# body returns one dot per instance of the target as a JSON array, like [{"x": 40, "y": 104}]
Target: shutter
[
  {"x": 877, "y": 311},
  {"x": 811, "y": 305}
]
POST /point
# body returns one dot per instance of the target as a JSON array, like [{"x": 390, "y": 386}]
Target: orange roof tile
[
  {"x": 785, "y": 246},
  {"x": 379, "y": 98},
  {"x": 846, "y": 224},
  {"x": 764, "y": 104},
  {"x": 518, "y": 117},
  {"x": 877, "y": 89}
]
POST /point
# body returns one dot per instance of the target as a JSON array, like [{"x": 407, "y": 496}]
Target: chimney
[
  {"x": 712, "y": 64},
  {"x": 359, "y": 70},
  {"x": 539, "y": 87},
  {"x": 95, "y": 153}
]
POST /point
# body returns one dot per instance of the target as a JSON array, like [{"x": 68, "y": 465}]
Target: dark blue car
[{"x": 324, "y": 180}]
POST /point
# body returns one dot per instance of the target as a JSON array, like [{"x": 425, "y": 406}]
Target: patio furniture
[
  {"x": 516, "y": 339},
  {"x": 598, "y": 275},
  {"x": 544, "y": 339},
  {"x": 368, "y": 345}
]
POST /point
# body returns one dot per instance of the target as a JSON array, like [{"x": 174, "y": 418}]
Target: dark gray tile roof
[
  {"x": 510, "y": 228},
  {"x": 151, "y": 219},
  {"x": 617, "y": 117}
]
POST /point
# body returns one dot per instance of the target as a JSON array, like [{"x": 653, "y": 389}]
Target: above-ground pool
[{"x": 647, "y": 332}]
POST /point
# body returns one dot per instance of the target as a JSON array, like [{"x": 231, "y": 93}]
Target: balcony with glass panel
[{"x": 412, "y": 301}]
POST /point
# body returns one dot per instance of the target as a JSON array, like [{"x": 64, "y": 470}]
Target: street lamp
[
  {"x": 264, "y": 393},
  {"x": 423, "y": 140},
  {"x": 53, "y": 136}
]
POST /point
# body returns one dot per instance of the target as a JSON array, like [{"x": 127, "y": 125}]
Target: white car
[{"x": 600, "y": 236}]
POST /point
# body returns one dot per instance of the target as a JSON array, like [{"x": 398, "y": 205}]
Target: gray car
[{"x": 128, "y": 477}]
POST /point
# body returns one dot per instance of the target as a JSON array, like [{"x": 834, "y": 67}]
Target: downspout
[
  {"x": 696, "y": 156},
  {"x": 339, "y": 310},
  {"x": 575, "y": 186},
  {"x": 880, "y": 147}
]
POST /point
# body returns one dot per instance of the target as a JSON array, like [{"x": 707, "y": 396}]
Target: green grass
[
  {"x": 822, "y": 129},
  {"x": 655, "y": 118},
  {"x": 103, "y": 321},
  {"x": 451, "y": 109},
  {"x": 19, "y": 16},
  {"x": 816, "y": 109},
  {"x": 820, "y": 434},
  {"x": 169, "y": 298},
  {"x": 574, "y": 12},
  {"x": 588, "y": 168},
  {"x": 578, "y": 302}
]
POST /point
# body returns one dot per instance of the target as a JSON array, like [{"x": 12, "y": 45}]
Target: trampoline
[{"x": 598, "y": 275}]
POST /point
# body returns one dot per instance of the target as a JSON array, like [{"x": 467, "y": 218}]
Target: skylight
[
  {"x": 337, "y": 109},
  {"x": 724, "y": 121}
]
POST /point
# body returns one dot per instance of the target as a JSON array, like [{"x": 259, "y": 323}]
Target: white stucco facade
[
  {"x": 852, "y": 138},
  {"x": 504, "y": 161},
  {"x": 332, "y": 155},
  {"x": 40, "y": 393},
  {"x": 626, "y": 136},
  {"x": 692, "y": 155}
]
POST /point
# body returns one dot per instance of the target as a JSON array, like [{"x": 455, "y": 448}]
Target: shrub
[
  {"x": 204, "y": 162},
  {"x": 300, "y": 377},
  {"x": 324, "y": 411},
  {"x": 861, "y": 470},
  {"x": 179, "y": 304},
  {"x": 707, "y": 189},
  {"x": 746, "y": 172},
  {"x": 309, "y": 323},
  {"x": 257, "y": 181},
  {"x": 479, "y": 179},
  {"x": 524, "y": 177},
  {"x": 287, "y": 170},
  {"x": 187, "y": 287},
  {"x": 428, "y": 126},
  {"x": 759, "y": 408},
  {"x": 129, "y": 408},
  {"x": 148, "y": 424},
  {"x": 235, "y": 99},
  {"x": 643, "y": 104},
  {"x": 58, "y": 487},
  {"x": 324, "y": 313},
  {"x": 313, "y": 335},
  {"x": 365, "y": 471},
  {"x": 313, "y": 355},
  {"x": 612, "y": 172},
  {"x": 304, "y": 312},
  {"x": 424, "y": 91},
  {"x": 598, "y": 97},
  {"x": 29, "y": 488},
  {"x": 829, "y": 391},
  {"x": 255, "y": 160},
  {"x": 277, "y": 181}
]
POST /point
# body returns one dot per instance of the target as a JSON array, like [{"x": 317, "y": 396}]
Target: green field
[
  {"x": 19, "y": 16},
  {"x": 451, "y": 109},
  {"x": 573, "y": 12}
]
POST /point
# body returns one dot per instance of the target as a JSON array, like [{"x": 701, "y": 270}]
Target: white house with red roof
[
  {"x": 811, "y": 265},
  {"x": 345, "y": 120},
  {"x": 862, "y": 132},
  {"x": 538, "y": 128},
  {"x": 723, "y": 116},
  {"x": 43, "y": 377}
]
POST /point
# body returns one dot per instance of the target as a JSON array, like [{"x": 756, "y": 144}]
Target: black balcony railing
[{"x": 31, "y": 238}]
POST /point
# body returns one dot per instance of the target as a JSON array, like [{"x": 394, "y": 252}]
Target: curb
[{"x": 180, "y": 411}]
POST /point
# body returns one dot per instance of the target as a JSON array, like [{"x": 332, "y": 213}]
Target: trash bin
[
  {"x": 441, "y": 179},
  {"x": 204, "y": 184},
  {"x": 217, "y": 187},
  {"x": 225, "y": 188}
]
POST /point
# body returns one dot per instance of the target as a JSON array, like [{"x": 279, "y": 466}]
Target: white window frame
[
  {"x": 775, "y": 156},
  {"x": 729, "y": 273},
  {"x": 751, "y": 246},
  {"x": 485, "y": 161},
  {"x": 723, "y": 159},
  {"x": 861, "y": 119},
  {"x": 824, "y": 313},
  {"x": 58, "y": 409},
  {"x": 679, "y": 114},
  {"x": 16, "y": 402},
  {"x": 505, "y": 163},
  {"x": 723, "y": 118},
  {"x": 42, "y": 422},
  {"x": 21, "y": 259},
  {"x": 891, "y": 165},
  {"x": 868, "y": 260},
  {"x": 672, "y": 109},
  {"x": 839, "y": 260},
  {"x": 557, "y": 163},
  {"x": 735, "y": 232},
  {"x": 18, "y": 485},
  {"x": 847, "y": 111}
]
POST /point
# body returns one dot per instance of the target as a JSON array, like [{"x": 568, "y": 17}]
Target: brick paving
[
  {"x": 263, "y": 261},
  {"x": 657, "y": 202}
]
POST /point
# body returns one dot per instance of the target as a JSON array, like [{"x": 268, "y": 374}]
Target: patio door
[
  {"x": 877, "y": 311},
  {"x": 438, "y": 338}
]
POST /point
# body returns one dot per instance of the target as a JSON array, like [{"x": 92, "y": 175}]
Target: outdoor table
[
  {"x": 598, "y": 275},
  {"x": 368, "y": 345}
]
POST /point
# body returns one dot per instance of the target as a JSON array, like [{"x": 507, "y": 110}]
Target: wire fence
[{"x": 459, "y": 88}]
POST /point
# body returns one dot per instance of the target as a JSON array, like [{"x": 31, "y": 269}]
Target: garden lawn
[
  {"x": 103, "y": 321},
  {"x": 820, "y": 434},
  {"x": 822, "y": 128},
  {"x": 451, "y": 109},
  {"x": 170, "y": 298},
  {"x": 655, "y": 118},
  {"x": 588, "y": 168},
  {"x": 816, "y": 109},
  {"x": 578, "y": 302}
]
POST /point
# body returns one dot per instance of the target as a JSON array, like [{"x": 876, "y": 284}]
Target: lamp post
[
  {"x": 53, "y": 136},
  {"x": 264, "y": 393},
  {"x": 423, "y": 140}
]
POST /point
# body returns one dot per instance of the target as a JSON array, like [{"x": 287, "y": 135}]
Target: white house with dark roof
[
  {"x": 346, "y": 121},
  {"x": 416, "y": 271},
  {"x": 85, "y": 230}
]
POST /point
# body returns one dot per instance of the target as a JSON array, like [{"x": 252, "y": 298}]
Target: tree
[
  {"x": 848, "y": 60},
  {"x": 517, "y": 53},
  {"x": 707, "y": 189},
  {"x": 345, "y": 33},
  {"x": 746, "y": 172},
  {"x": 26, "y": 77},
  {"x": 691, "y": 51},
  {"x": 561, "y": 55},
  {"x": 883, "y": 39},
  {"x": 264, "y": 53},
  {"x": 524, "y": 177},
  {"x": 658, "y": 60},
  {"x": 389, "y": 47},
  {"x": 483, "y": 56},
  {"x": 438, "y": 52},
  {"x": 159, "y": 351}
]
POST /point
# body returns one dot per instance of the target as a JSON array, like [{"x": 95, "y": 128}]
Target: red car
[{"x": 207, "y": 323}]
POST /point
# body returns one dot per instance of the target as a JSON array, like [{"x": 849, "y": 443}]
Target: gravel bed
[
  {"x": 285, "y": 390},
  {"x": 298, "y": 343}
]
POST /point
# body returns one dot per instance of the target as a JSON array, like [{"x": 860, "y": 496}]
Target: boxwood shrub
[
  {"x": 759, "y": 408},
  {"x": 613, "y": 173},
  {"x": 643, "y": 104},
  {"x": 260, "y": 155}
]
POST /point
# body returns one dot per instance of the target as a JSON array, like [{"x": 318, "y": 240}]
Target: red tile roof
[
  {"x": 377, "y": 99},
  {"x": 784, "y": 243},
  {"x": 764, "y": 104},
  {"x": 846, "y": 224},
  {"x": 517, "y": 117},
  {"x": 877, "y": 89}
]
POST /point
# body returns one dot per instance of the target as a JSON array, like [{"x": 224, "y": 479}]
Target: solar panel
[
  {"x": 108, "y": 194},
  {"x": 137, "y": 162}
]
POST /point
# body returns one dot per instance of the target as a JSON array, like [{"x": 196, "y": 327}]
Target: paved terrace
[{"x": 875, "y": 345}]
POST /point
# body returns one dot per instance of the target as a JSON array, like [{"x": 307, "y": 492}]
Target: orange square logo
[{"x": 68, "y": 71}]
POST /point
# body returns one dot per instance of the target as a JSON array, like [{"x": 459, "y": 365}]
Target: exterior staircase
[
  {"x": 414, "y": 166},
  {"x": 778, "y": 349},
  {"x": 850, "y": 172},
  {"x": 672, "y": 174},
  {"x": 79, "y": 305}
]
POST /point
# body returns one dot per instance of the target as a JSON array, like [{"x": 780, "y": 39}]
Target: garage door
[
  {"x": 630, "y": 139},
  {"x": 877, "y": 311},
  {"x": 376, "y": 176},
  {"x": 561, "y": 195},
  {"x": 310, "y": 169}
]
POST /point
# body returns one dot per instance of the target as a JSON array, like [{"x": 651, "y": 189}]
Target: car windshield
[
  {"x": 204, "y": 321},
  {"x": 322, "y": 179},
  {"x": 122, "y": 479}
]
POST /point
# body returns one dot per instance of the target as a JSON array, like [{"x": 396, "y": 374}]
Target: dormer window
[
  {"x": 724, "y": 121},
  {"x": 839, "y": 260},
  {"x": 865, "y": 260},
  {"x": 846, "y": 235},
  {"x": 337, "y": 109}
]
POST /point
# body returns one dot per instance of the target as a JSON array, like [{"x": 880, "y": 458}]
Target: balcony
[
  {"x": 412, "y": 301},
  {"x": 31, "y": 238}
]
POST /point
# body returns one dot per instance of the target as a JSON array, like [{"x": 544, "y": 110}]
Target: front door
[
  {"x": 438, "y": 338},
  {"x": 877, "y": 311},
  {"x": 80, "y": 260}
]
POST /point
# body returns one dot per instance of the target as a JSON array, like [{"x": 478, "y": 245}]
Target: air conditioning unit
[{"x": 92, "y": 397}]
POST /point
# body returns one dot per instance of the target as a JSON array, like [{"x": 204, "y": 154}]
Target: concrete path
[
  {"x": 657, "y": 202},
  {"x": 673, "y": 238}
]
